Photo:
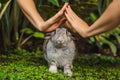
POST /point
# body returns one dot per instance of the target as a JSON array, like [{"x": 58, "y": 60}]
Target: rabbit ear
[
  {"x": 61, "y": 30},
  {"x": 70, "y": 35},
  {"x": 49, "y": 35}
]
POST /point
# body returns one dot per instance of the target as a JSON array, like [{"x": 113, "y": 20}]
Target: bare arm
[
  {"x": 30, "y": 11},
  {"x": 109, "y": 20}
]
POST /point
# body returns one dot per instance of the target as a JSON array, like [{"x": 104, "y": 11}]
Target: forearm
[
  {"x": 109, "y": 20},
  {"x": 30, "y": 12},
  {"x": 34, "y": 17}
]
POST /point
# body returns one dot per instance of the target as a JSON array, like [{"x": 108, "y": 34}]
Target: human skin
[
  {"x": 29, "y": 9},
  {"x": 107, "y": 21}
]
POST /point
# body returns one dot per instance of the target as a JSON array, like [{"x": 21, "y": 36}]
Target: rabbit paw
[
  {"x": 53, "y": 69},
  {"x": 68, "y": 72}
]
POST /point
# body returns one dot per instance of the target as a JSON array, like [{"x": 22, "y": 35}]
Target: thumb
[{"x": 62, "y": 21}]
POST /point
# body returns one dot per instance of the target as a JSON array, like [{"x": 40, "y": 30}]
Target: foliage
[
  {"x": 9, "y": 24},
  {"x": 54, "y": 2},
  {"x": 23, "y": 65},
  {"x": 102, "y": 4},
  {"x": 31, "y": 33},
  {"x": 105, "y": 37},
  {"x": 5, "y": 7},
  {"x": 3, "y": 1},
  {"x": 12, "y": 21},
  {"x": 15, "y": 30}
]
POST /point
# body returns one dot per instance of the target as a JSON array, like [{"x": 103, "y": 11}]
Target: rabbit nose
[{"x": 60, "y": 41}]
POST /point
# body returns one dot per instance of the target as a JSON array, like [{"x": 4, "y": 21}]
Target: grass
[{"x": 24, "y": 65}]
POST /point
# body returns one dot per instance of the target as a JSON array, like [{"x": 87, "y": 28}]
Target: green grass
[{"x": 23, "y": 65}]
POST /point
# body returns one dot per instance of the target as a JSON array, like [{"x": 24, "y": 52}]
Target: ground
[{"x": 24, "y": 65}]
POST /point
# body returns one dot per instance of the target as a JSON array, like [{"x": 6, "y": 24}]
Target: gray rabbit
[{"x": 60, "y": 50}]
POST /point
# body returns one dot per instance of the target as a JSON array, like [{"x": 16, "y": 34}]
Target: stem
[
  {"x": 25, "y": 40},
  {"x": 4, "y": 9}
]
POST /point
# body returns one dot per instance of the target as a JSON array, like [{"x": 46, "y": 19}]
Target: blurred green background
[
  {"x": 21, "y": 56},
  {"x": 16, "y": 31}
]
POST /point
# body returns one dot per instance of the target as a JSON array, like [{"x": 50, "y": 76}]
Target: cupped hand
[
  {"x": 76, "y": 22},
  {"x": 56, "y": 24}
]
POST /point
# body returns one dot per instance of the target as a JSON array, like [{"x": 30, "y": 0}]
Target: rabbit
[{"x": 60, "y": 50}]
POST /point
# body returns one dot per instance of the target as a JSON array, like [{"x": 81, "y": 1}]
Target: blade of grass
[{"x": 4, "y": 9}]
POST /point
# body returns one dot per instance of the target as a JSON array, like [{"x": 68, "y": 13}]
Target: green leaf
[
  {"x": 27, "y": 31},
  {"x": 38, "y": 35},
  {"x": 102, "y": 4},
  {"x": 110, "y": 44},
  {"x": 65, "y": 0},
  {"x": 91, "y": 40},
  {"x": 117, "y": 37},
  {"x": 17, "y": 35},
  {"x": 117, "y": 30},
  {"x": 54, "y": 2},
  {"x": 93, "y": 17},
  {"x": 44, "y": 9},
  {"x": 3, "y": 1}
]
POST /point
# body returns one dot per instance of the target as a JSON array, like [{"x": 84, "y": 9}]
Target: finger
[
  {"x": 70, "y": 10},
  {"x": 59, "y": 15},
  {"x": 69, "y": 18},
  {"x": 61, "y": 21},
  {"x": 65, "y": 5},
  {"x": 69, "y": 14},
  {"x": 73, "y": 14},
  {"x": 61, "y": 12},
  {"x": 55, "y": 25}
]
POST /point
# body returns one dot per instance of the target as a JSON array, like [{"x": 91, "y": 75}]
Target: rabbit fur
[{"x": 60, "y": 50}]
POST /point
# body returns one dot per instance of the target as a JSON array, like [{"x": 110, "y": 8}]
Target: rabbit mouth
[{"x": 60, "y": 45}]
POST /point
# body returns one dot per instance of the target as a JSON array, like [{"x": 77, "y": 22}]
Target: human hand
[
  {"x": 55, "y": 25},
  {"x": 73, "y": 18},
  {"x": 56, "y": 20},
  {"x": 76, "y": 22},
  {"x": 59, "y": 15}
]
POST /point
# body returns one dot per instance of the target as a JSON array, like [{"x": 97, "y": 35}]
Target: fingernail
[
  {"x": 68, "y": 5},
  {"x": 65, "y": 12}
]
